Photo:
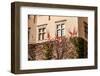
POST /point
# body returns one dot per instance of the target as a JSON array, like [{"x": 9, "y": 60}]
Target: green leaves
[
  {"x": 81, "y": 46},
  {"x": 48, "y": 47}
]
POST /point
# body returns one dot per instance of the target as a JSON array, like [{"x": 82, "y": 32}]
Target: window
[
  {"x": 28, "y": 33},
  {"x": 60, "y": 29},
  {"x": 42, "y": 32},
  {"x": 85, "y": 30}
]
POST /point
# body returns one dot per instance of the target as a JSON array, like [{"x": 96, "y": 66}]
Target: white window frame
[
  {"x": 60, "y": 28},
  {"x": 41, "y": 33}
]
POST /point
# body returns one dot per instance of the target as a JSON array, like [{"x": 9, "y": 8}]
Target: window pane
[
  {"x": 43, "y": 36},
  {"x": 44, "y": 30},
  {"x": 62, "y": 32},
  {"x": 58, "y": 26},
  {"x": 40, "y": 30},
  {"x": 62, "y": 26},
  {"x": 40, "y": 36},
  {"x": 58, "y": 32}
]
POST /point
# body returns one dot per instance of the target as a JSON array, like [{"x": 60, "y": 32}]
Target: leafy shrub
[
  {"x": 48, "y": 50},
  {"x": 81, "y": 46}
]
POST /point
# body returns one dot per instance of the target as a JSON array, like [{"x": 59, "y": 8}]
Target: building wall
[
  {"x": 50, "y": 22},
  {"x": 82, "y": 23},
  {"x": 31, "y": 29},
  {"x": 70, "y": 23}
]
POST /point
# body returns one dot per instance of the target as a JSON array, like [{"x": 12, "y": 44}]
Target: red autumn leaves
[{"x": 73, "y": 32}]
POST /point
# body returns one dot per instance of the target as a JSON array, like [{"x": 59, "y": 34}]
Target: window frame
[{"x": 60, "y": 29}]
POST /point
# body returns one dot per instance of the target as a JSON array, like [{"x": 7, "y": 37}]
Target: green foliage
[
  {"x": 48, "y": 48},
  {"x": 81, "y": 46},
  {"x": 31, "y": 52}
]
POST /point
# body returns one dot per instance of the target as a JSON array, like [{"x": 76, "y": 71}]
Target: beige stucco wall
[
  {"x": 70, "y": 24},
  {"x": 32, "y": 26}
]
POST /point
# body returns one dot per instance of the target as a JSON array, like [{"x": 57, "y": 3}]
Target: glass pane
[
  {"x": 43, "y": 36},
  {"x": 62, "y": 32},
  {"x": 62, "y": 26},
  {"x": 58, "y": 26},
  {"x": 44, "y": 30},
  {"x": 40, "y": 36},
  {"x": 58, "y": 32},
  {"x": 40, "y": 30}
]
